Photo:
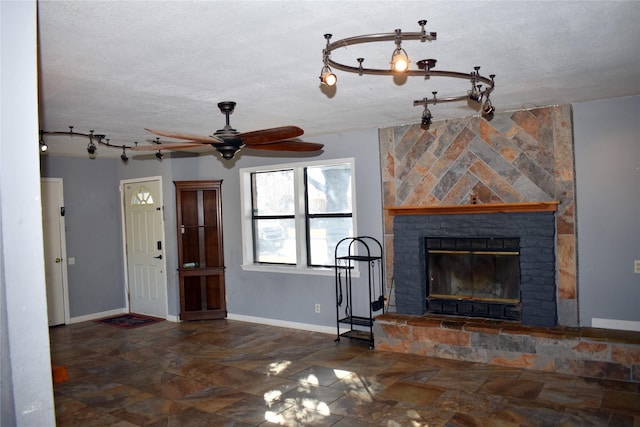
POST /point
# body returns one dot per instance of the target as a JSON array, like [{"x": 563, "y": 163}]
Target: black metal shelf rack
[{"x": 348, "y": 252}]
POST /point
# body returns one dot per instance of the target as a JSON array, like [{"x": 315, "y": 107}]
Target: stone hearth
[{"x": 587, "y": 352}]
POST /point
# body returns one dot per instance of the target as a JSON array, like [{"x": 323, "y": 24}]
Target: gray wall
[
  {"x": 281, "y": 297},
  {"x": 608, "y": 196},
  {"x": 25, "y": 373},
  {"x": 607, "y": 152},
  {"x": 93, "y": 231}
]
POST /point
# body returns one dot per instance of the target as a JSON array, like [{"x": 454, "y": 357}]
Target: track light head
[
  {"x": 43, "y": 145},
  {"x": 327, "y": 77},
  {"x": 426, "y": 117},
  {"x": 123, "y": 156},
  {"x": 488, "y": 110},
  {"x": 399, "y": 60},
  {"x": 159, "y": 155},
  {"x": 91, "y": 148}
]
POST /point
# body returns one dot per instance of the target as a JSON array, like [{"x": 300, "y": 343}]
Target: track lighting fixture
[
  {"x": 159, "y": 155},
  {"x": 327, "y": 77},
  {"x": 426, "y": 113},
  {"x": 481, "y": 87},
  {"x": 488, "y": 110},
  {"x": 92, "y": 146},
  {"x": 399, "y": 58},
  {"x": 426, "y": 117},
  {"x": 123, "y": 156},
  {"x": 43, "y": 145}
]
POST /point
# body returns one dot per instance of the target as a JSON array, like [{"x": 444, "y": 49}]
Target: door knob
[
  {"x": 58, "y": 260},
  {"x": 158, "y": 257}
]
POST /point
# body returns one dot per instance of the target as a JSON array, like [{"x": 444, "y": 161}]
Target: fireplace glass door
[{"x": 473, "y": 276}]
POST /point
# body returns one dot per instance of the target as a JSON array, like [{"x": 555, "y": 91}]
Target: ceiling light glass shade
[
  {"x": 327, "y": 77},
  {"x": 399, "y": 60}
]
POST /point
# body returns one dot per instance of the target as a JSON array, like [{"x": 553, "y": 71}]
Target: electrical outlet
[
  {"x": 636, "y": 266},
  {"x": 317, "y": 308}
]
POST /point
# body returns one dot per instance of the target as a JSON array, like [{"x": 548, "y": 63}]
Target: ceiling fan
[{"x": 229, "y": 141}]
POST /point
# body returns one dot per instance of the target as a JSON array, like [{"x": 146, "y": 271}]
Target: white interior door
[
  {"x": 55, "y": 263},
  {"x": 144, "y": 229}
]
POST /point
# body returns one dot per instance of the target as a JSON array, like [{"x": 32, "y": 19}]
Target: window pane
[
  {"x": 325, "y": 233},
  {"x": 329, "y": 189},
  {"x": 273, "y": 193},
  {"x": 275, "y": 241}
]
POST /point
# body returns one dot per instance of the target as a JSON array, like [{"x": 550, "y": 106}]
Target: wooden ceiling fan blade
[
  {"x": 158, "y": 147},
  {"x": 209, "y": 139},
  {"x": 267, "y": 136},
  {"x": 288, "y": 145}
]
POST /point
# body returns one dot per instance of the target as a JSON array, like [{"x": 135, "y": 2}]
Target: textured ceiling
[{"x": 116, "y": 67}]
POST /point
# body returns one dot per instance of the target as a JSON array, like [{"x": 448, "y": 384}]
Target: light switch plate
[{"x": 636, "y": 266}]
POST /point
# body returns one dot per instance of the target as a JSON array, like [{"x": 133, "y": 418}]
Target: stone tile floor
[{"x": 231, "y": 373}]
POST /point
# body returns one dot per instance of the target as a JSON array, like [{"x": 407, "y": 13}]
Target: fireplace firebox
[{"x": 477, "y": 276}]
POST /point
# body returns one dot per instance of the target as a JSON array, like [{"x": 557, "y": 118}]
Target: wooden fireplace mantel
[{"x": 472, "y": 209}]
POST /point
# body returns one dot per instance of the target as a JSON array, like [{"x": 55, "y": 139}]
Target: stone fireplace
[
  {"x": 529, "y": 234},
  {"x": 518, "y": 158}
]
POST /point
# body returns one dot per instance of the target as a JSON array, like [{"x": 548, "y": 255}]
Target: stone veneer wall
[{"x": 521, "y": 156}]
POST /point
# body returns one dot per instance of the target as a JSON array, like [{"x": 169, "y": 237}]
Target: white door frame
[
  {"x": 63, "y": 250},
  {"x": 123, "y": 182}
]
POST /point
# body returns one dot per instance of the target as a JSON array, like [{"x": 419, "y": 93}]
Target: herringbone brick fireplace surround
[{"x": 517, "y": 159}]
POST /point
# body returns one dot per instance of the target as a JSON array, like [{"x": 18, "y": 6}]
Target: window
[
  {"x": 142, "y": 196},
  {"x": 294, "y": 215}
]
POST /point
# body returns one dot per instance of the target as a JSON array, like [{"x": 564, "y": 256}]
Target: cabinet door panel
[
  {"x": 189, "y": 208},
  {"x": 192, "y": 291},
  {"x": 210, "y": 202},
  {"x": 190, "y": 245},
  {"x": 214, "y": 292}
]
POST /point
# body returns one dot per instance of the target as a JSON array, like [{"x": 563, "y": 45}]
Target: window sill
[{"x": 286, "y": 269}]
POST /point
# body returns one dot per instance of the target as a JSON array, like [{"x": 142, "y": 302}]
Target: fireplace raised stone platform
[{"x": 588, "y": 352}]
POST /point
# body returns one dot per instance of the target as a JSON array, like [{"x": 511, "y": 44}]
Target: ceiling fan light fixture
[{"x": 227, "y": 150}]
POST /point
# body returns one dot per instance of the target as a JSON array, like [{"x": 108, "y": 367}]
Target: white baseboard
[
  {"x": 172, "y": 318},
  {"x": 624, "y": 325},
  {"x": 283, "y": 323},
  {"x": 94, "y": 316}
]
